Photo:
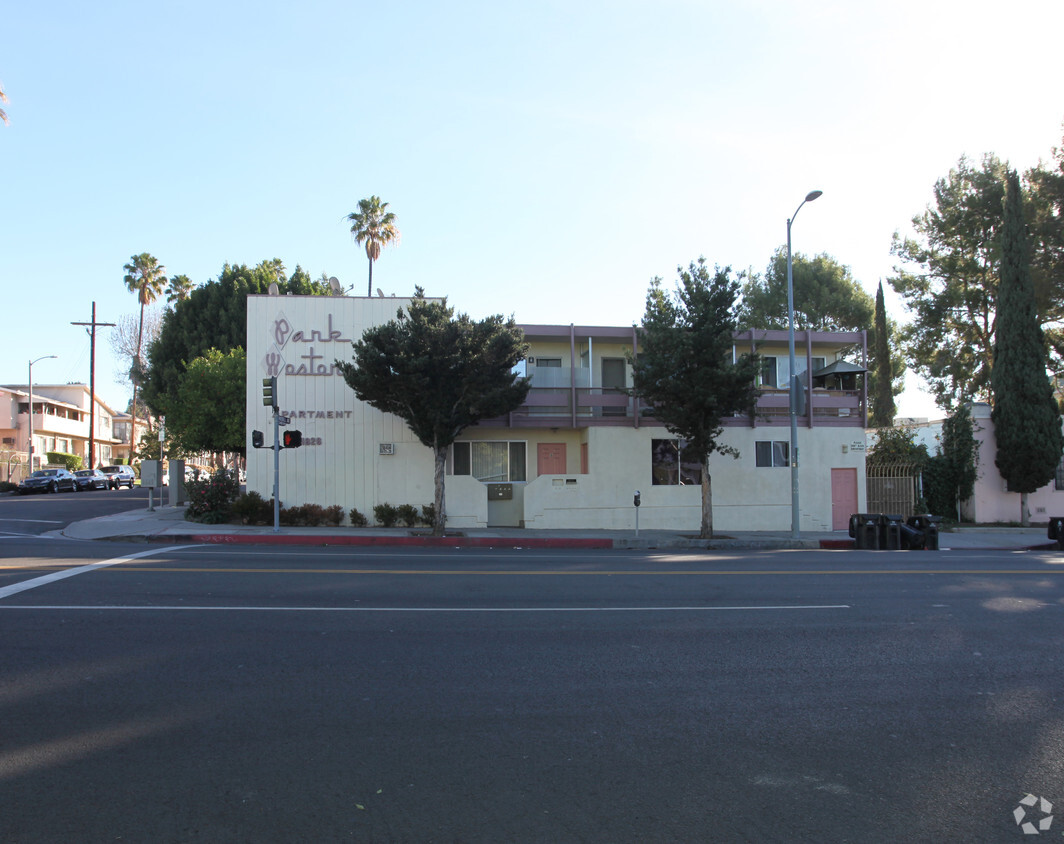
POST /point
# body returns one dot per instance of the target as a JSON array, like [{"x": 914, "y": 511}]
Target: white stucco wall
[{"x": 299, "y": 338}]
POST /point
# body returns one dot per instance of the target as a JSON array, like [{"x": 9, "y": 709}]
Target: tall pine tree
[
  {"x": 883, "y": 408},
  {"x": 1026, "y": 418}
]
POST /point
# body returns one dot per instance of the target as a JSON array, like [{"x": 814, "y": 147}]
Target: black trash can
[
  {"x": 866, "y": 530},
  {"x": 929, "y": 526},
  {"x": 912, "y": 539},
  {"x": 1056, "y": 530},
  {"x": 890, "y": 532}
]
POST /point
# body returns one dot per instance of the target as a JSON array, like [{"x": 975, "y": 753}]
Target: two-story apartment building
[
  {"x": 578, "y": 448},
  {"x": 61, "y": 421}
]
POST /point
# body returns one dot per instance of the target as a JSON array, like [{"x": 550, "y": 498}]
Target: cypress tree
[
  {"x": 883, "y": 408},
  {"x": 1026, "y": 417}
]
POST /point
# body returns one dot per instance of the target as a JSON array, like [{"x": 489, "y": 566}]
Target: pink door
[
  {"x": 550, "y": 459},
  {"x": 843, "y": 497}
]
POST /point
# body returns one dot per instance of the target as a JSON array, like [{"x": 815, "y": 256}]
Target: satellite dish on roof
[
  {"x": 274, "y": 290},
  {"x": 380, "y": 295},
  {"x": 335, "y": 286}
]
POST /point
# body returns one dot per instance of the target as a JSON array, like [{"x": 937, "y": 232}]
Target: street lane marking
[
  {"x": 119, "y": 608},
  {"x": 45, "y": 579},
  {"x": 564, "y": 573},
  {"x": 39, "y": 521}
]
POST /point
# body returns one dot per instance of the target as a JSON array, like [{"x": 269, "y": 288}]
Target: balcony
[{"x": 583, "y": 407}]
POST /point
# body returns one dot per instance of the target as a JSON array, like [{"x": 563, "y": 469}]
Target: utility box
[
  {"x": 176, "y": 490},
  {"x": 151, "y": 475}
]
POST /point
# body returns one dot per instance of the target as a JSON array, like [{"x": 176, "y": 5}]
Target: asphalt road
[
  {"x": 33, "y": 515},
  {"x": 214, "y": 694}
]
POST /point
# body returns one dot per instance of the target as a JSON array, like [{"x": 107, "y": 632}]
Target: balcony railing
[{"x": 580, "y": 407}]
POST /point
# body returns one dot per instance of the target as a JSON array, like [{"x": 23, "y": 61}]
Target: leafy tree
[
  {"x": 684, "y": 368},
  {"x": 146, "y": 277},
  {"x": 440, "y": 374},
  {"x": 883, "y": 408},
  {"x": 1044, "y": 211},
  {"x": 214, "y": 316},
  {"x": 209, "y": 412},
  {"x": 950, "y": 475},
  {"x": 1026, "y": 417},
  {"x": 897, "y": 445},
  {"x": 373, "y": 225},
  {"x": 948, "y": 274},
  {"x": 827, "y": 298}
]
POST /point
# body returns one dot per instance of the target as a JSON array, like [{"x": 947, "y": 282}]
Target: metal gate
[{"x": 892, "y": 488}]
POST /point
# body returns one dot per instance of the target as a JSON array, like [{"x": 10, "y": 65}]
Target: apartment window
[
  {"x": 768, "y": 372},
  {"x": 489, "y": 461},
  {"x": 772, "y": 453},
  {"x": 549, "y": 363},
  {"x": 671, "y": 466}
]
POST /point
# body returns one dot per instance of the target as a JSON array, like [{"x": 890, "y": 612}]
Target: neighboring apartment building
[
  {"x": 575, "y": 452},
  {"x": 991, "y": 501},
  {"x": 60, "y": 423}
]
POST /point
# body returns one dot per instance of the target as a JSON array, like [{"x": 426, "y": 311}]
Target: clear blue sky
[{"x": 545, "y": 160}]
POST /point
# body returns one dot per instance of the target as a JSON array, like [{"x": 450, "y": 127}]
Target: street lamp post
[
  {"x": 32, "y": 362},
  {"x": 795, "y": 384}
]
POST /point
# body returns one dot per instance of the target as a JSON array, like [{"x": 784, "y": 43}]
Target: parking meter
[{"x": 637, "y": 498}]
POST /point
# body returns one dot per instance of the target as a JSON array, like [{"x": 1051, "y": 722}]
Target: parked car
[
  {"x": 86, "y": 479},
  {"x": 119, "y": 476},
  {"x": 48, "y": 480}
]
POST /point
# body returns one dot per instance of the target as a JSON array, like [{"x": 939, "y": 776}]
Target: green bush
[
  {"x": 71, "y": 461},
  {"x": 428, "y": 514},
  {"x": 7, "y": 486},
  {"x": 334, "y": 515},
  {"x": 386, "y": 515},
  {"x": 291, "y": 516},
  {"x": 407, "y": 514},
  {"x": 210, "y": 499},
  {"x": 252, "y": 509},
  {"x": 356, "y": 518}
]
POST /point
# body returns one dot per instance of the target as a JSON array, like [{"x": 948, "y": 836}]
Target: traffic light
[
  {"x": 293, "y": 439},
  {"x": 256, "y": 439},
  {"x": 269, "y": 392}
]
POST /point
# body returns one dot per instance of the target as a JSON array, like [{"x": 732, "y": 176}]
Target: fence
[{"x": 892, "y": 488}]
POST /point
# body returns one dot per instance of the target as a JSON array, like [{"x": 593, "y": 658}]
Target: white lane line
[
  {"x": 39, "y": 521},
  {"x": 163, "y": 608},
  {"x": 45, "y": 579}
]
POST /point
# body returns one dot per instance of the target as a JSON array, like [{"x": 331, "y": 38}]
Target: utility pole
[{"x": 92, "y": 386}]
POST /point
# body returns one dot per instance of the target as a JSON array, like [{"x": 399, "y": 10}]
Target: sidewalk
[{"x": 168, "y": 524}]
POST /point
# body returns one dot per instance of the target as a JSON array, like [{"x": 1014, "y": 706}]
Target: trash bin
[
  {"x": 1056, "y": 530},
  {"x": 928, "y": 525},
  {"x": 890, "y": 532},
  {"x": 912, "y": 539},
  {"x": 866, "y": 530}
]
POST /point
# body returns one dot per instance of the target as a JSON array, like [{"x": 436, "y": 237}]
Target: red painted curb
[
  {"x": 407, "y": 541},
  {"x": 838, "y": 544}
]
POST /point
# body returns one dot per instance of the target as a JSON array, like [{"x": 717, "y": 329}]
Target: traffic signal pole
[{"x": 276, "y": 471}]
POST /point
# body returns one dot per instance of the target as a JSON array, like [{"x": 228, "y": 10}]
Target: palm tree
[
  {"x": 375, "y": 226},
  {"x": 3, "y": 114},
  {"x": 179, "y": 289},
  {"x": 146, "y": 277}
]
